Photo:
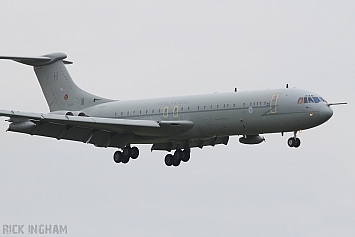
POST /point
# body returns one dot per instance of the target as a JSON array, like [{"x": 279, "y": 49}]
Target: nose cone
[{"x": 325, "y": 113}]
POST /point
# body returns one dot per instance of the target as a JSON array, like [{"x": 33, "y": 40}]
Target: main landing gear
[
  {"x": 179, "y": 155},
  {"x": 126, "y": 153},
  {"x": 294, "y": 141}
]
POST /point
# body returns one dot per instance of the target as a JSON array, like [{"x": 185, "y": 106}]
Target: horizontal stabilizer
[{"x": 38, "y": 61}]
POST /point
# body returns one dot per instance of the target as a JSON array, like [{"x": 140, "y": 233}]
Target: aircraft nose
[{"x": 325, "y": 113}]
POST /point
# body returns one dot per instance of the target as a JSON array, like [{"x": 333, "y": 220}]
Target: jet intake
[
  {"x": 251, "y": 139},
  {"x": 69, "y": 113}
]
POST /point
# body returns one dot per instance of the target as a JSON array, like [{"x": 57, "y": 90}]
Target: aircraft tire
[
  {"x": 127, "y": 151},
  {"x": 297, "y": 143},
  {"x": 125, "y": 159},
  {"x": 134, "y": 152},
  {"x": 185, "y": 155},
  {"x": 176, "y": 162},
  {"x": 169, "y": 159},
  {"x": 117, "y": 156},
  {"x": 291, "y": 142}
]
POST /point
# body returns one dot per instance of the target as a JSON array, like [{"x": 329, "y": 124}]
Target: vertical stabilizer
[{"x": 57, "y": 85}]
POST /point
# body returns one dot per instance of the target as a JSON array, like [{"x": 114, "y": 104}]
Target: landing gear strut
[
  {"x": 294, "y": 141},
  {"x": 126, "y": 153},
  {"x": 178, "y": 156}
]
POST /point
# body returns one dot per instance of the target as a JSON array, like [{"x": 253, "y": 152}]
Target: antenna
[
  {"x": 287, "y": 85},
  {"x": 235, "y": 89}
]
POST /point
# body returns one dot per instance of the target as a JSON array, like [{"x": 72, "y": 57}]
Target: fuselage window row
[{"x": 165, "y": 111}]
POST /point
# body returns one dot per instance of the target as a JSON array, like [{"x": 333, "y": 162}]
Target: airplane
[{"x": 169, "y": 124}]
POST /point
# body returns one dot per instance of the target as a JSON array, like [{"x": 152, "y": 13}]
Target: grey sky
[{"x": 143, "y": 49}]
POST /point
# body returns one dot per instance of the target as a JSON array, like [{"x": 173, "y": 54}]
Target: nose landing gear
[{"x": 294, "y": 141}]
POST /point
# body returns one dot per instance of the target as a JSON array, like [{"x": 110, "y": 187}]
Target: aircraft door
[
  {"x": 166, "y": 113},
  {"x": 273, "y": 103},
  {"x": 173, "y": 115}
]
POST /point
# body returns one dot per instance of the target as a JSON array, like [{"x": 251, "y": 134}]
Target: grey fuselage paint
[{"x": 222, "y": 114}]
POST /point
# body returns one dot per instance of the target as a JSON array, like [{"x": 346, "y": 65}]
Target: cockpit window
[
  {"x": 316, "y": 99},
  {"x": 323, "y": 99},
  {"x": 310, "y": 100},
  {"x": 305, "y": 100},
  {"x": 300, "y": 100}
]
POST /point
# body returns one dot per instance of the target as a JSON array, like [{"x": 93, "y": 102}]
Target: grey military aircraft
[{"x": 170, "y": 124}]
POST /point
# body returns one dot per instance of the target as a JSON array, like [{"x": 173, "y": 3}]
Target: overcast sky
[{"x": 143, "y": 49}]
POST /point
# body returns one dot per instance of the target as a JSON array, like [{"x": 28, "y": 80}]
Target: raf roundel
[
  {"x": 250, "y": 110},
  {"x": 66, "y": 97}
]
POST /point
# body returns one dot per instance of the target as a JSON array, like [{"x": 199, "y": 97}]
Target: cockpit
[{"x": 310, "y": 99}]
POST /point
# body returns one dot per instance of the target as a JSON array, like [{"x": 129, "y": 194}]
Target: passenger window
[
  {"x": 300, "y": 100},
  {"x": 211, "y": 106},
  {"x": 204, "y": 107}
]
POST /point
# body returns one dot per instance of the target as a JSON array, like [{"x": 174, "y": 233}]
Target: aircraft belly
[
  {"x": 219, "y": 124},
  {"x": 191, "y": 134}
]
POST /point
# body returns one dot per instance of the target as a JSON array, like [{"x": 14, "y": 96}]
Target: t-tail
[{"x": 57, "y": 85}]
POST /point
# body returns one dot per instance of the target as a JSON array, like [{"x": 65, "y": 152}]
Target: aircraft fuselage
[{"x": 223, "y": 114}]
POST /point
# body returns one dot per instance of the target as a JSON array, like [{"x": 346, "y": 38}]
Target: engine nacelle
[
  {"x": 251, "y": 139},
  {"x": 70, "y": 113}
]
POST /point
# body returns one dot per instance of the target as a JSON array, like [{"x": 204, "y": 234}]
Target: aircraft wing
[{"x": 101, "y": 132}]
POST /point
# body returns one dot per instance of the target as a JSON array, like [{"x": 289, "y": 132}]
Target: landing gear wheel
[
  {"x": 134, "y": 152},
  {"x": 117, "y": 156},
  {"x": 291, "y": 142},
  {"x": 176, "y": 162},
  {"x": 178, "y": 154},
  {"x": 169, "y": 160},
  {"x": 185, "y": 155},
  {"x": 177, "y": 157},
  {"x": 127, "y": 151},
  {"x": 297, "y": 143},
  {"x": 125, "y": 159}
]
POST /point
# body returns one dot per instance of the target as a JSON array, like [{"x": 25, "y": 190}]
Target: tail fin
[{"x": 58, "y": 87}]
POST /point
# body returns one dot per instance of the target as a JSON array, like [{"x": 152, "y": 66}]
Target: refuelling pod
[
  {"x": 251, "y": 139},
  {"x": 25, "y": 126}
]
